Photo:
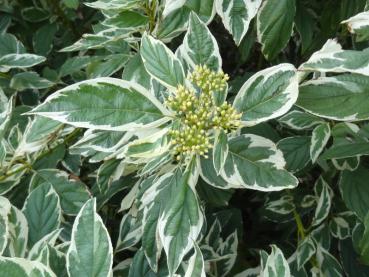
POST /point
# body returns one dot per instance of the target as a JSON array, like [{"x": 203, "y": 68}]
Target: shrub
[{"x": 184, "y": 138}]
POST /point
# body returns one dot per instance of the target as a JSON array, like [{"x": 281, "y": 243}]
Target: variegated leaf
[
  {"x": 200, "y": 46},
  {"x": 255, "y": 162},
  {"x": 220, "y": 150},
  {"x": 5, "y": 208},
  {"x": 349, "y": 92},
  {"x": 332, "y": 58},
  {"x": 276, "y": 265},
  {"x": 237, "y": 15},
  {"x": 319, "y": 139},
  {"x": 324, "y": 203},
  {"x": 72, "y": 193},
  {"x": 268, "y": 94},
  {"x": 275, "y": 25},
  {"x": 328, "y": 264},
  {"x": 359, "y": 25},
  {"x": 298, "y": 120},
  {"x": 43, "y": 212},
  {"x": 90, "y": 242},
  {"x": 18, "y": 234},
  {"x": 24, "y": 268},
  {"x": 305, "y": 250},
  {"x": 180, "y": 224},
  {"x": 104, "y": 104},
  {"x": 130, "y": 232},
  {"x": 196, "y": 265},
  {"x": 161, "y": 63},
  {"x": 19, "y": 61}
]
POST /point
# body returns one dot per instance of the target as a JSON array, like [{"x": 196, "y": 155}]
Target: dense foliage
[{"x": 184, "y": 138}]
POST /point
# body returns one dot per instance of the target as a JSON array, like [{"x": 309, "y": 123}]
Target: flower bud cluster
[
  {"x": 208, "y": 80},
  {"x": 198, "y": 114},
  {"x": 226, "y": 118}
]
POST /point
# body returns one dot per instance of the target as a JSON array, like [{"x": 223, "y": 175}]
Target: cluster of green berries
[{"x": 198, "y": 114}]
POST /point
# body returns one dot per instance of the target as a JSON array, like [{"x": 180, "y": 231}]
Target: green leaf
[
  {"x": 363, "y": 243},
  {"x": 237, "y": 15},
  {"x": 255, "y": 162},
  {"x": 90, "y": 252},
  {"x": 295, "y": 151},
  {"x": 181, "y": 221},
  {"x": 298, "y": 120},
  {"x": 104, "y": 104},
  {"x": 29, "y": 80},
  {"x": 19, "y": 61},
  {"x": 355, "y": 191},
  {"x": 20, "y": 267},
  {"x": 322, "y": 96},
  {"x": 135, "y": 71},
  {"x": 5, "y": 207},
  {"x": 268, "y": 94},
  {"x": 43, "y": 212},
  {"x": 200, "y": 46},
  {"x": 161, "y": 63},
  {"x": 220, "y": 150},
  {"x": 72, "y": 193},
  {"x": 127, "y": 19},
  {"x": 351, "y": 261},
  {"x": 275, "y": 26},
  {"x": 276, "y": 264},
  {"x": 331, "y": 58},
  {"x": 34, "y": 14},
  {"x": 319, "y": 139},
  {"x": 43, "y": 39}
]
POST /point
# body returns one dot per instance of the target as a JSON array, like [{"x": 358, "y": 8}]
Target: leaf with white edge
[
  {"x": 355, "y": 191},
  {"x": 275, "y": 26},
  {"x": 172, "y": 5},
  {"x": 135, "y": 71},
  {"x": 322, "y": 96},
  {"x": 182, "y": 220},
  {"x": 237, "y": 15},
  {"x": 43, "y": 212},
  {"x": 347, "y": 151},
  {"x": 295, "y": 151},
  {"x": 10, "y": 61},
  {"x": 319, "y": 139},
  {"x": 342, "y": 224},
  {"x": 298, "y": 120},
  {"x": 130, "y": 232},
  {"x": 255, "y": 162},
  {"x": 276, "y": 264},
  {"x": 5, "y": 207},
  {"x": 140, "y": 267},
  {"x": 328, "y": 264},
  {"x": 72, "y": 193},
  {"x": 324, "y": 201},
  {"x": 114, "y": 5},
  {"x": 18, "y": 233},
  {"x": 227, "y": 251},
  {"x": 104, "y": 104},
  {"x": 29, "y": 80},
  {"x": 200, "y": 46},
  {"x": 332, "y": 58},
  {"x": 268, "y": 94},
  {"x": 90, "y": 242},
  {"x": 358, "y": 25},
  {"x": 209, "y": 174},
  {"x": 220, "y": 150},
  {"x": 49, "y": 239},
  {"x": 283, "y": 205},
  {"x": 305, "y": 250},
  {"x": 20, "y": 267},
  {"x": 196, "y": 265},
  {"x": 127, "y": 20},
  {"x": 161, "y": 63}
]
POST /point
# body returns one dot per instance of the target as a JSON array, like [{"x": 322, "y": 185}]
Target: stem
[{"x": 300, "y": 226}]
